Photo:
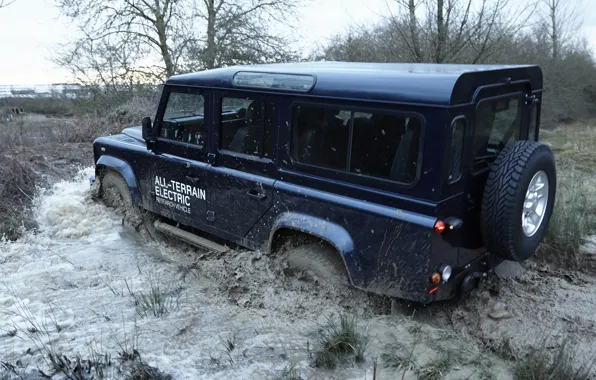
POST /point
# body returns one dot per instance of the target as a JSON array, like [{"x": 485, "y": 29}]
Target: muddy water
[{"x": 66, "y": 288}]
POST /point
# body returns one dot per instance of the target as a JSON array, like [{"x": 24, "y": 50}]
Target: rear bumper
[{"x": 465, "y": 279}]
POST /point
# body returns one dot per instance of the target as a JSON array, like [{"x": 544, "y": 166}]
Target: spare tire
[{"x": 518, "y": 200}]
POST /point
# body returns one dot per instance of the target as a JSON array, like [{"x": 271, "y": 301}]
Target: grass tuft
[
  {"x": 435, "y": 369},
  {"x": 158, "y": 301},
  {"x": 340, "y": 340},
  {"x": 562, "y": 364},
  {"x": 290, "y": 372}
]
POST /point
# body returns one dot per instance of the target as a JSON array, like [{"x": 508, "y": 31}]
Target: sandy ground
[{"x": 70, "y": 280}]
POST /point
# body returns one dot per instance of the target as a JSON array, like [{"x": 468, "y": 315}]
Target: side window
[
  {"x": 246, "y": 126},
  {"x": 458, "y": 132},
  {"x": 373, "y": 144},
  {"x": 320, "y": 136},
  {"x": 183, "y": 119},
  {"x": 497, "y": 123}
]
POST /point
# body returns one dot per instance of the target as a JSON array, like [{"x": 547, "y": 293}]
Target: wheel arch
[
  {"x": 290, "y": 224},
  {"x": 106, "y": 163}
]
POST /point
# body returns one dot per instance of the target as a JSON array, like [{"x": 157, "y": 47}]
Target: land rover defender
[{"x": 408, "y": 180}]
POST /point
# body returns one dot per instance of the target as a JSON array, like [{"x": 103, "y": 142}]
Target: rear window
[
  {"x": 374, "y": 144},
  {"x": 497, "y": 123}
]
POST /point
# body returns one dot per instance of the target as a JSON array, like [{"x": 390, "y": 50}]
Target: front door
[
  {"x": 498, "y": 120},
  {"x": 179, "y": 170},
  {"x": 242, "y": 177}
]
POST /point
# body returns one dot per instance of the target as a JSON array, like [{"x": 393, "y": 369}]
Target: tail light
[{"x": 439, "y": 226}]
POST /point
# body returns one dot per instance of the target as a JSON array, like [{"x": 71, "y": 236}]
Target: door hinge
[
  {"x": 211, "y": 158},
  {"x": 211, "y": 216}
]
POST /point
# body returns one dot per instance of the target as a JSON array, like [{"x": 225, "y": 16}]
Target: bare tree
[
  {"x": 455, "y": 30},
  {"x": 158, "y": 27},
  {"x": 119, "y": 38},
  {"x": 242, "y": 31},
  {"x": 560, "y": 20},
  {"x": 5, "y": 3}
]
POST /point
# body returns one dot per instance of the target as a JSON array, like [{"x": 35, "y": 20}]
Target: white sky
[{"x": 31, "y": 29}]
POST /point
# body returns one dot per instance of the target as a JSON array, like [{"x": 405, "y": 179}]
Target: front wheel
[
  {"x": 116, "y": 195},
  {"x": 518, "y": 200}
]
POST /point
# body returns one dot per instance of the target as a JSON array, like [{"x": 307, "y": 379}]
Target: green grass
[
  {"x": 574, "y": 145},
  {"x": 340, "y": 340},
  {"x": 574, "y": 213}
]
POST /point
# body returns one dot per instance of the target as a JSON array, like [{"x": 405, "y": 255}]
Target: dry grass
[
  {"x": 574, "y": 215},
  {"x": 17, "y": 187},
  {"x": 42, "y": 134},
  {"x": 553, "y": 361}
]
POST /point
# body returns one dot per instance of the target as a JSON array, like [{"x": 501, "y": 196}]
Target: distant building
[{"x": 57, "y": 90}]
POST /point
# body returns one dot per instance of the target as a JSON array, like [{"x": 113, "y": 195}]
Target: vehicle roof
[{"x": 439, "y": 84}]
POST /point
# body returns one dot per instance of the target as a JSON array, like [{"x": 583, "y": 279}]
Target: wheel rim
[{"x": 535, "y": 204}]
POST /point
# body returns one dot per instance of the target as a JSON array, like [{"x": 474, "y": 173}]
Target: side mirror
[{"x": 148, "y": 132}]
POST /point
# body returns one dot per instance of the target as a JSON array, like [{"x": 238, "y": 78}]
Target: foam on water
[{"x": 67, "y": 211}]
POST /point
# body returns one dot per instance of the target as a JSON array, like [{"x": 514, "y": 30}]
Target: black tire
[
  {"x": 116, "y": 195},
  {"x": 504, "y": 196},
  {"x": 318, "y": 260}
]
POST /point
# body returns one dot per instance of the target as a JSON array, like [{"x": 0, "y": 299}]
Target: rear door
[
  {"x": 179, "y": 168},
  {"x": 242, "y": 177},
  {"x": 498, "y": 120}
]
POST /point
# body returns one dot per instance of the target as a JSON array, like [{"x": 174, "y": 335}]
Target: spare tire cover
[{"x": 518, "y": 200}]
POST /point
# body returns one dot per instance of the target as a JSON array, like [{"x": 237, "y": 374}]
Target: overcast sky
[{"x": 31, "y": 29}]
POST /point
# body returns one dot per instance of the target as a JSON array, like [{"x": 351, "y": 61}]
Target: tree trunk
[
  {"x": 554, "y": 31},
  {"x": 441, "y": 32},
  {"x": 163, "y": 45},
  {"x": 414, "y": 31},
  {"x": 211, "y": 52}
]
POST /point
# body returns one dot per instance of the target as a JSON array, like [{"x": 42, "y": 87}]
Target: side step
[{"x": 189, "y": 237}]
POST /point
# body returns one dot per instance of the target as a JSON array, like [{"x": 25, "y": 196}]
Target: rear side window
[
  {"x": 458, "y": 130},
  {"x": 246, "y": 126},
  {"x": 374, "y": 144},
  {"x": 184, "y": 119},
  {"x": 497, "y": 123}
]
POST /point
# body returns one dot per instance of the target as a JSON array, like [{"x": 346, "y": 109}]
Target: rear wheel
[
  {"x": 518, "y": 200},
  {"x": 318, "y": 260}
]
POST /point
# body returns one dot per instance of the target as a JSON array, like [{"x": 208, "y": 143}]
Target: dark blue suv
[{"x": 407, "y": 180}]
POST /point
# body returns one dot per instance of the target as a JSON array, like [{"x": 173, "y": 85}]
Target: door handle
[
  {"x": 256, "y": 194},
  {"x": 192, "y": 179}
]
